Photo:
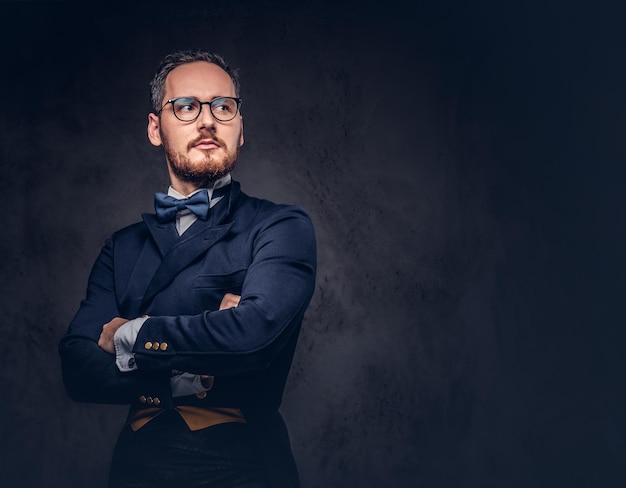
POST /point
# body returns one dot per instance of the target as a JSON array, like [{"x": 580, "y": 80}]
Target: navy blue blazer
[{"x": 250, "y": 247}]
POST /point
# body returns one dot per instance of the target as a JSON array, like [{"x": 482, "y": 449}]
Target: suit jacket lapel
[
  {"x": 163, "y": 235},
  {"x": 145, "y": 263}
]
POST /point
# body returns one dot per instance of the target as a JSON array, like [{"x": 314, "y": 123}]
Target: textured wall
[{"x": 463, "y": 168}]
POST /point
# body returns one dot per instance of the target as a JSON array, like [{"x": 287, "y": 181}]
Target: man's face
[{"x": 206, "y": 149}]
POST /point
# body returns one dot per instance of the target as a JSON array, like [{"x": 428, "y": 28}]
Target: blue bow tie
[{"x": 166, "y": 206}]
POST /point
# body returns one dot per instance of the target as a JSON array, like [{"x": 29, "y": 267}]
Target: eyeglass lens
[{"x": 188, "y": 109}]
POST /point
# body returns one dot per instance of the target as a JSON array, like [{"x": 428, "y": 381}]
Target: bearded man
[{"x": 191, "y": 316}]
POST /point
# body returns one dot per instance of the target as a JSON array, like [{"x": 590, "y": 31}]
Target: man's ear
[
  {"x": 241, "y": 135},
  {"x": 154, "y": 133}
]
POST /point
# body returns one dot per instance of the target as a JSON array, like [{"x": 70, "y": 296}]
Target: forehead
[{"x": 200, "y": 79}]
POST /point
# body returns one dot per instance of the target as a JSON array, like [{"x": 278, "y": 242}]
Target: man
[{"x": 192, "y": 315}]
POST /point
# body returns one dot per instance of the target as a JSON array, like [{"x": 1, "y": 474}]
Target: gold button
[
  {"x": 157, "y": 401},
  {"x": 148, "y": 345},
  {"x": 155, "y": 346},
  {"x": 201, "y": 395},
  {"x": 142, "y": 399},
  {"x": 163, "y": 346},
  {"x": 150, "y": 400}
]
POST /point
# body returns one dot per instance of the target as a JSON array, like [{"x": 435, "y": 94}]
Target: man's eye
[
  {"x": 186, "y": 106},
  {"x": 223, "y": 107}
]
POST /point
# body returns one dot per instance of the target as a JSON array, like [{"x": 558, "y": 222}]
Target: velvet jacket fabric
[{"x": 250, "y": 247}]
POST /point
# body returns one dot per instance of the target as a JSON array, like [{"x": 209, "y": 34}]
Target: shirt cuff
[
  {"x": 185, "y": 384},
  {"x": 124, "y": 341}
]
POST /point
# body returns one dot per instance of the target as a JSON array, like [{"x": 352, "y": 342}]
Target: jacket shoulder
[
  {"x": 261, "y": 209},
  {"x": 133, "y": 232},
  {"x": 132, "y": 229}
]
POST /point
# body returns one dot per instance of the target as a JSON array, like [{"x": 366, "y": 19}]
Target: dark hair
[{"x": 178, "y": 58}]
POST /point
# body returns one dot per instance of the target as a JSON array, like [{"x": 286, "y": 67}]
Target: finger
[
  {"x": 207, "y": 381},
  {"x": 114, "y": 323},
  {"x": 118, "y": 321},
  {"x": 229, "y": 300}
]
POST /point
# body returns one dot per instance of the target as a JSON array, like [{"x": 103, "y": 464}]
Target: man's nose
[{"x": 205, "y": 119}]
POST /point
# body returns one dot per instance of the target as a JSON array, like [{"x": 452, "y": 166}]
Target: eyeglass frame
[{"x": 173, "y": 100}]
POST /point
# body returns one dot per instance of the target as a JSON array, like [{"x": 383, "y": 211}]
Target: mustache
[{"x": 202, "y": 137}]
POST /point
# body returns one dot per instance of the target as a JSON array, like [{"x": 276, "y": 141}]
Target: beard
[{"x": 203, "y": 172}]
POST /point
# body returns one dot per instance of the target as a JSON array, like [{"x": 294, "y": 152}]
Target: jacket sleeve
[
  {"x": 89, "y": 373},
  {"x": 278, "y": 287}
]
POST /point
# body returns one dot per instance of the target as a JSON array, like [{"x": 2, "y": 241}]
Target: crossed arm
[
  {"x": 109, "y": 329},
  {"x": 238, "y": 338},
  {"x": 106, "y": 340}
]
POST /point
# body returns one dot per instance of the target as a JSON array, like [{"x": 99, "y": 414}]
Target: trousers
[{"x": 165, "y": 453}]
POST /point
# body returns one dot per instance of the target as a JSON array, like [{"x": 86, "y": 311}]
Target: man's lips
[{"x": 206, "y": 144}]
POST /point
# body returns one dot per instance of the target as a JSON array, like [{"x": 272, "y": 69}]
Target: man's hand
[
  {"x": 108, "y": 331},
  {"x": 230, "y": 300},
  {"x": 207, "y": 381}
]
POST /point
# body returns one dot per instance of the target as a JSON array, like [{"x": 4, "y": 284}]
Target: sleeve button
[
  {"x": 148, "y": 345},
  {"x": 163, "y": 346},
  {"x": 155, "y": 346},
  {"x": 142, "y": 399}
]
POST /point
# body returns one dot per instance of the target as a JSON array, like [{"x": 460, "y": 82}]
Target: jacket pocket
[{"x": 232, "y": 280}]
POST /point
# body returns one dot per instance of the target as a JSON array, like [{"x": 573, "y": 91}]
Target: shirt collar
[{"x": 225, "y": 180}]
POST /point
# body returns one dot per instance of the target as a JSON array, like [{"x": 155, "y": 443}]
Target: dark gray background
[{"x": 463, "y": 165}]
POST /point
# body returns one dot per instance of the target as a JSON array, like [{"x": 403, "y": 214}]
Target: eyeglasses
[{"x": 187, "y": 109}]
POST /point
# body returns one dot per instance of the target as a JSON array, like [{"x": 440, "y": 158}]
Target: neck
[{"x": 186, "y": 188}]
